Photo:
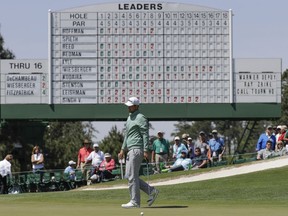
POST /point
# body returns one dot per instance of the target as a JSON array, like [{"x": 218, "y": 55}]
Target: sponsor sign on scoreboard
[{"x": 257, "y": 80}]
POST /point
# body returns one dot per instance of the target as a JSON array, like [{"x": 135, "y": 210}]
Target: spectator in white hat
[
  {"x": 277, "y": 132},
  {"x": 106, "y": 167},
  {"x": 178, "y": 147},
  {"x": 95, "y": 158},
  {"x": 70, "y": 169}
]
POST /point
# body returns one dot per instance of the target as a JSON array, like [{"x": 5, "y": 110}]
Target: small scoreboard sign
[
  {"x": 24, "y": 81},
  {"x": 161, "y": 53}
]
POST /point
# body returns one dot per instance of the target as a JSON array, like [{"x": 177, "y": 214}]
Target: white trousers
[{"x": 133, "y": 164}]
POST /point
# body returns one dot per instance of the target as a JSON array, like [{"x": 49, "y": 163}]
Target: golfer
[{"x": 136, "y": 143}]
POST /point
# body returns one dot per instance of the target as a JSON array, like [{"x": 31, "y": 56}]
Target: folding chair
[
  {"x": 46, "y": 181},
  {"x": 58, "y": 181},
  {"x": 69, "y": 184},
  {"x": 22, "y": 183},
  {"x": 11, "y": 183},
  {"x": 37, "y": 181},
  {"x": 79, "y": 178}
]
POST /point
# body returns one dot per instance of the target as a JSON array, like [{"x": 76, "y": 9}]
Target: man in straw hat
[{"x": 83, "y": 153}]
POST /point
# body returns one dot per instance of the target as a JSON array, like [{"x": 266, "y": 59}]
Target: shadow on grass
[{"x": 171, "y": 206}]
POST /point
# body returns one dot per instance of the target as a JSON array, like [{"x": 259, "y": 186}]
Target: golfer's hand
[
  {"x": 121, "y": 154},
  {"x": 146, "y": 156}
]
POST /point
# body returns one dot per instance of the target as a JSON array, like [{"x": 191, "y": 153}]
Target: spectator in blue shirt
[
  {"x": 70, "y": 169},
  {"x": 178, "y": 147},
  {"x": 217, "y": 146},
  {"x": 268, "y": 134},
  {"x": 182, "y": 163}
]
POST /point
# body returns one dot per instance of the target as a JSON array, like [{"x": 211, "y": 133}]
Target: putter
[
  {"x": 121, "y": 161},
  {"x": 148, "y": 175}
]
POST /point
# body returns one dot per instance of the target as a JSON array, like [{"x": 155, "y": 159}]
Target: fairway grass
[
  {"x": 259, "y": 193},
  {"x": 199, "y": 209}
]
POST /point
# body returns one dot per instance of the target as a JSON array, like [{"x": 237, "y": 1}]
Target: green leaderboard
[{"x": 176, "y": 58}]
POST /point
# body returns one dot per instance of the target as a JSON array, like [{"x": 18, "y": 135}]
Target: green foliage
[
  {"x": 284, "y": 99},
  {"x": 63, "y": 141},
  {"x": 112, "y": 143},
  {"x": 182, "y": 127},
  {"x": 59, "y": 142},
  {"x": 5, "y": 53},
  {"x": 18, "y": 138}
]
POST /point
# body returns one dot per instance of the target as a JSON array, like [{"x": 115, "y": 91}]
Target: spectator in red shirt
[
  {"x": 282, "y": 133},
  {"x": 104, "y": 171},
  {"x": 82, "y": 155}
]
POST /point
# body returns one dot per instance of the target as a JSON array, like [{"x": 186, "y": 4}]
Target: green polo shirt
[
  {"x": 161, "y": 146},
  {"x": 136, "y": 132}
]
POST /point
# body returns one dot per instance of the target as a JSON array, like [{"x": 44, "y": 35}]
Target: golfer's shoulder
[{"x": 141, "y": 117}]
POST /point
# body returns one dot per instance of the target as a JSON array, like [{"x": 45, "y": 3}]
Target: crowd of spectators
[
  {"x": 209, "y": 148},
  {"x": 272, "y": 142},
  {"x": 184, "y": 153},
  {"x": 187, "y": 153},
  {"x": 95, "y": 165}
]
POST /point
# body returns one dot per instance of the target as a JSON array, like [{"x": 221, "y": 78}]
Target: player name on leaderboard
[{"x": 161, "y": 53}]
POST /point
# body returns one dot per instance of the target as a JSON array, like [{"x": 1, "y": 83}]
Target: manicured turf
[{"x": 260, "y": 193}]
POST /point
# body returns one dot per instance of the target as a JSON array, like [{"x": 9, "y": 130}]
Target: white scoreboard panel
[
  {"x": 159, "y": 52},
  {"x": 257, "y": 80},
  {"x": 24, "y": 81}
]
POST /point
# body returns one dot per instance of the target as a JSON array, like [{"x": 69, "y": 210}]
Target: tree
[
  {"x": 284, "y": 99},
  {"x": 7, "y": 138},
  {"x": 182, "y": 127},
  {"x": 62, "y": 141},
  {"x": 5, "y": 53},
  {"x": 112, "y": 143}
]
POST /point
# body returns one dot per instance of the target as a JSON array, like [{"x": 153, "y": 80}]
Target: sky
[{"x": 259, "y": 31}]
